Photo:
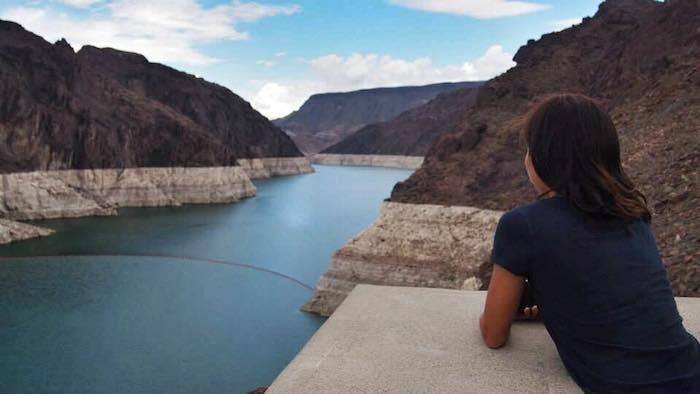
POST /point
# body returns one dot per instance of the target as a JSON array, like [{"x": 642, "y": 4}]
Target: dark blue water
[{"x": 160, "y": 299}]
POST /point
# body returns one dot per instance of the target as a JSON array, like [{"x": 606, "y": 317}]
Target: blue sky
[{"x": 276, "y": 53}]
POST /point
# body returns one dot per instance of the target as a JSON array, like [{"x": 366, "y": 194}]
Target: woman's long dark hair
[{"x": 575, "y": 150}]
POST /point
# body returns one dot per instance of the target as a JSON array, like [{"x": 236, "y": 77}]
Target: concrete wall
[{"x": 401, "y": 339}]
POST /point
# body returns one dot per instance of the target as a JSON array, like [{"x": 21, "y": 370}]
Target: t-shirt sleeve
[{"x": 513, "y": 248}]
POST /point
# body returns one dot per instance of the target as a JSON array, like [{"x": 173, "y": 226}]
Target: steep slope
[
  {"x": 86, "y": 133},
  {"x": 641, "y": 58},
  {"x": 414, "y": 131},
  {"x": 325, "y": 119},
  {"x": 226, "y": 116},
  {"x": 102, "y": 108}
]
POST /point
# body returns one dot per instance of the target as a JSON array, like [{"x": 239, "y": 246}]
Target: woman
[{"x": 589, "y": 257}]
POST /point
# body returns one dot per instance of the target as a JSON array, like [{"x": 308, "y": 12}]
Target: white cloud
[
  {"x": 482, "y": 9},
  {"x": 250, "y": 12},
  {"x": 494, "y": 62},
  {"x": 565, "y": 23},
  {"x": 80, "y": 3},
  {"x": 162, "y": 30},
  {"x": 360, "y": 71},
  {"x": 280, "y": 54},
  {"x": 275, "y": 100}
]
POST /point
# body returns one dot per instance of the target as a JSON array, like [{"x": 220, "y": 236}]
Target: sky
[{"x": 275, "y": 54}]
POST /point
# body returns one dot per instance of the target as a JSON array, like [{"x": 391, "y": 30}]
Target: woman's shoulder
[
  {"x": 553, "y": 214},
  {"x": 558, "y": 214},
  {"x": 536, "y": 209}
]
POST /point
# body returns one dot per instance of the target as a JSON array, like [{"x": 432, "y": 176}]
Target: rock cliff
[
  {"x": 85, "y": 133},
  {"x": 103, "y": 108},
  {"x": 414, "y": 131},
  {"x": 410, "y": 245},
  {"x": 327, "y": 118},
  {"x": 641, "y": 58},
  {"x": 74, "y": 193},
  {"x": 275, "y": 166},
  {"x": 388, "y": 161}
]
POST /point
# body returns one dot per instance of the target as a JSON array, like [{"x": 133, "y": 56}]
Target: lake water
[{"x": 194, "y": 299}]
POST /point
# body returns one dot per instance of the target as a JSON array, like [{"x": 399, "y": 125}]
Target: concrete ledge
[{"x": 401, "y": 339}]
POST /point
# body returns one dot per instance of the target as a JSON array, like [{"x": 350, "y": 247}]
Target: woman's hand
[{"x": 528, "y": 313}]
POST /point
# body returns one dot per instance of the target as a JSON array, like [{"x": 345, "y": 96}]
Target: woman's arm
[{"x": 502, "y": 301}]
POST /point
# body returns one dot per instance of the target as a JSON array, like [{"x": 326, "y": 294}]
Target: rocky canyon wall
[
  {"x": 275, "y": 166},
  {"x": 410, "y": 245},
  {"x": 641, "y": 60},
  {"x": 74, "y": 193},
  {"x": 388, "y": 161},
  {"x": 325, "y": 119}
]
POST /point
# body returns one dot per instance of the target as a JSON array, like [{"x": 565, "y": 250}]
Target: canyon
[
  {"x": 84, "y": 133},
  {"x": 641, "y": 60}
]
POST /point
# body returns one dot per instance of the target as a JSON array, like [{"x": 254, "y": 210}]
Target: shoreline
[
  {"x": 53, "y": 194},
  {"x": 415, "y": 245},
  {"x": 386, "y": 161}
]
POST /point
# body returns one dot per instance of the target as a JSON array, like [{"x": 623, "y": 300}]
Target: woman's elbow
[
  {"x": 494, "y": 341},
  {"x": 492, "y": 338}
]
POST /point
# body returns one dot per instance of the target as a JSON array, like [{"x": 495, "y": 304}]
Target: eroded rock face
[
  {"x": 414, "y": 131},
  {"x": 275, "y": 166},
  {"x": 327, "y": 118},
  {"x": 388, "y": 161},
  {"x": 11, "y": 231},
  {"x": 74, "y": 193},
  {"x": 85, "y": 133},
  {"x": 410, "y": 245},
  {"x": 103, "y": 108},
  {"x": 641, "y": 58}
]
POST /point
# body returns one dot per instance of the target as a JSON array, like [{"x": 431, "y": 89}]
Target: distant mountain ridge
[
  {"x": 327, "y": 118},
  {"x": 414, "y": 131},
  {"x": 104, "y": 108}
]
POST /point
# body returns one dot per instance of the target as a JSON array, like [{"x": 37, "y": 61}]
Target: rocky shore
[
  {"x": 388, "y": 161},
  {"x": 99, "y": 192},
  {"x": 11, "y": 231},
  {"x": 410, "y": 245},
  {"x": 275, "y": 166},
  {"x": 74, "y": 193}
]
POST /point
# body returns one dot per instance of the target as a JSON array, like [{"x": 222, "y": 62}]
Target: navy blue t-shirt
[{"x": 603, "y": 296}]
